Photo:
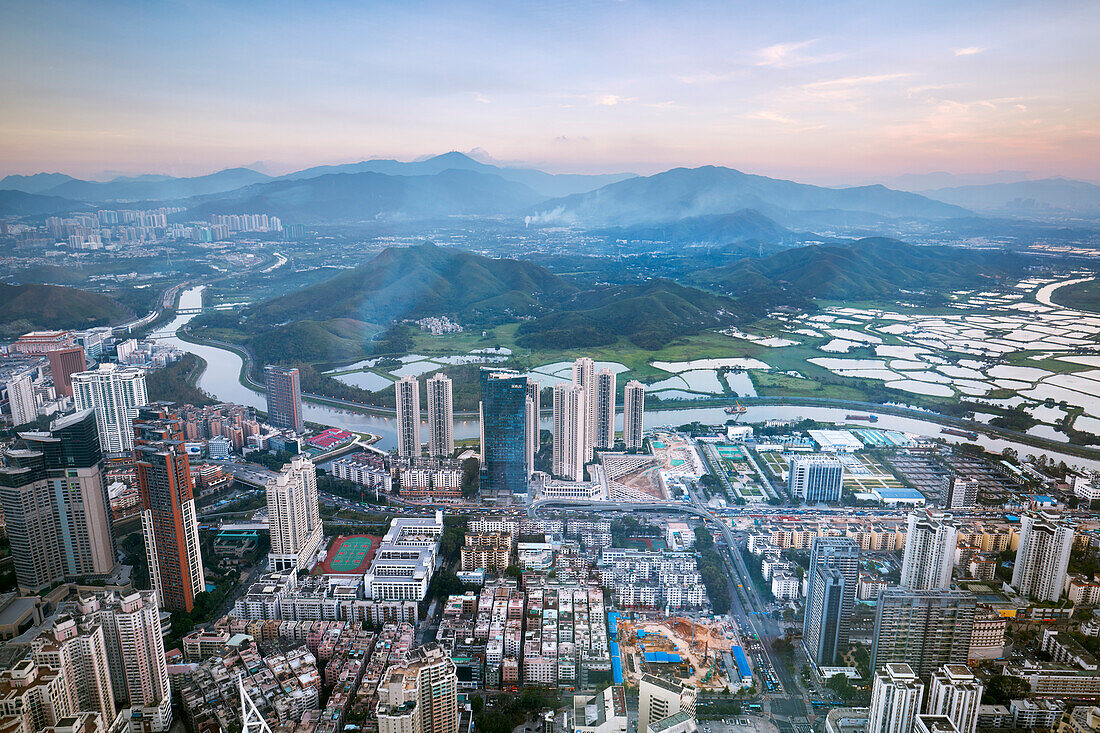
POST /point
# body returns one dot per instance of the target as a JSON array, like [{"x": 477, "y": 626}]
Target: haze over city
[{"x": 833, "y": 93}]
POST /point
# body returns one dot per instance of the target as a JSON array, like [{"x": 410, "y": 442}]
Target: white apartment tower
[
  {"x": 584, "y": 376},
  {"x": 21, "y": 401},
  {"x": 929, "y": 551},
  {"x": 135, "y": 652},
  {"x": 81, "y": 656},
  {"x": 659, "y": 698},
  {"x": 633, "y": 406},
  {"x": 570, "y": 419},
  {"x": 605, "y": 409},
  {"x": 441, "y": 417},
  {"x": 1042, "y": 556},
  {"x": 421, "y": 695},
  {"x": 407, "y": 390},
  {"x": 956, "y": 693},
  {"x": 115, "y": 393},
  {"x": 293, "y": 516},
  {"x": 895, "y": 700}
]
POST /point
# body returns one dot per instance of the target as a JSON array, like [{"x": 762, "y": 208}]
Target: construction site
[{"x": 696, "y": 651}]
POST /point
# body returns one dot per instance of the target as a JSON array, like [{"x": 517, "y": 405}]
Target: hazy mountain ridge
[
  {"x": 1025, "y": 198},
  {"x": 27, "y": 307},
  {"x": 21, "y": 203},
  {"x": 740, "y": 226},
  {"x": 36, "y": 183},
  {"x": 682, "y": 193}
]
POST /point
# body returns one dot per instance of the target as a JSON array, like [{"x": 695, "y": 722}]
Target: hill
[
  {"x": 1025, "y": 198},
  {"x": 649, "y": 314},
  {"x": 157, "y": 188},
  {"x": 369, "y": 196},
  {"x": 35, "y": 307},
  {"x": 740, "y": 226},
  {"x": 683, "y": 193},
  {"x": 36, "y": 183},
  {"x": 867, "y": 268},
  {"x": 545, "y": 184},
  {"x": 20, "y": 203}
]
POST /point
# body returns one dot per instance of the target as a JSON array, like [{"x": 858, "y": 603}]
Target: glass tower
[{"x": 503, "y": 431}]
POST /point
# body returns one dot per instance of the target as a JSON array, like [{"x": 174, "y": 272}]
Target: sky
[{"x": 825, "y": 92}]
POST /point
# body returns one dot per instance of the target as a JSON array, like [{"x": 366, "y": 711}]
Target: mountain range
[
  {"x": 32, "y": 306},
  {"x": 1025, "y": 198}
]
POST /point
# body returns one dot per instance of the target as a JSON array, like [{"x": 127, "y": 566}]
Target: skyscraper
[
  {"x": 115, "y": 393},
  {"x": 659, "y": 697},
  {"x": 284, "y": 398},
  {"x": 830, "y": 598},
  {"x": 1042, "y": 556},
  {"x": 605, "y": 409},
  {"x": 503, "y": 412},
  {"x": 168, "y": 517},
  {"x": 56, "y": 505},
  {"x": 961, "y": 492},
  {"x": 956, "y": 693},
  {"x": 633, "y": 408},
  {"x": 896, "y": 696},
  {"x": 815, "y": 478},
  {"x": 569, "y": 428},
  {"x": 64, "y": 363},
  {"x": 533, "y": 412},
  {"x": 420, "y": 695},
  {"x": 293, "y": 516},
  {"x": 441, "y": 417},
  {"x": 79, "y": 651},
  {"x": 584, "y": 376},
  {"x": 407, "y": 392},
  {"x": 21, "y": 401},
  {"x": 925, "y": 629},
  {"x": 929, "y": 551},
  {"x": 135, "y": 652}
]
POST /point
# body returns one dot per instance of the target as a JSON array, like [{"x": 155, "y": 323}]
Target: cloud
[
  {"x": 770, "y": 116},
  {"x": 846, "y": 87},
  {"x": 783, "y": 54},
  {"x": 610, "y": 100},
  {"x": 968, "y": 51},
  {"x": 481, "y": 98}
]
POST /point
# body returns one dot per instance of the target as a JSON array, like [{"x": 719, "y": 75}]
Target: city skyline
[{"x": 833, "y": 95}]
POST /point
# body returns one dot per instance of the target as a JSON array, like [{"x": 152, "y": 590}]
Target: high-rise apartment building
[
  {"x": 420, "y": 695},
  {"x": 407, "y": 392},
  {"x": 441, "y": 417},
  {"x": 658, "y": 698},
  {"x": 925, "y": 629},
  {"x": 929, "y": 551},
  {"x": 830, "y": 598},
  {"x": 633, "y": 409},
  {"x": 22, "y": 403},
  {"x": 284, "y": 398},
  {"x": 33, "y": 697},
  {"x": 115, "y": 393},
  {"x": 1042, "y": 556},
  {"x": 584, "y": 376},
  {"x": 961, "y": 492},
  {"x": 79, "y": 651},
  {"x": 896, "y": 696},
  {"x": 570, "y": 420},
  {"x": 135, "y": 652},
  {"x": 294, "y": 516},
  {"x": 605, "y": 409},
  {"x": 956, "y": 693},
  {"x": 533, "y": 414},
  {"x": 64, "y": 363},
  {"x": 56, "y": 505},
  {"x": 503, "y": 411},
  {"x": 815, "y": 478},
  {"x": 168, "y": 517}
]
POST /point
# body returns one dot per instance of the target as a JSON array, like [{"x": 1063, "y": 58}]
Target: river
[{"x": 221, "y": 380}]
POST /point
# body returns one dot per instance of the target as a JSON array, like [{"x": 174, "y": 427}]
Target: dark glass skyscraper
[
  {"x": 503, "y": 431},
  {"x": 284, "y": 398},
  {"x": 830, "y": 598}
]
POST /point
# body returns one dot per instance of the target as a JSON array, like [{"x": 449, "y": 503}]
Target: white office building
[
  {"x": 1042, "y": 556},
  {"x": 293, "y": 516},
  {"x": 441, "y": 419},
  {"x": 570, "y": 423},
  {"x": 658, "y": 698},
  {"x": 407, "y": 391},
  {"x": 815, "y": 478},
  {"x": 929, "y": 551},
  {"x": 895, "y": 700},
  {"x": 115, "y": 393},
  {"x": 633, "y": 409}
]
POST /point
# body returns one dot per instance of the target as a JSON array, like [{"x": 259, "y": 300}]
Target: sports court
[{"x": 350, "y": 554}]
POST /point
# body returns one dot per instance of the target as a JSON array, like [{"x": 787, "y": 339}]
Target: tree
[
  {"x": 1002, "y": 688},
  {"x": 513, "y": 571}
]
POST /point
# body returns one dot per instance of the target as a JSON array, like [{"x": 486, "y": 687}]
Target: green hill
[
  {"x": 30, "y": 307},
  {"x": 867, "y": 268}
]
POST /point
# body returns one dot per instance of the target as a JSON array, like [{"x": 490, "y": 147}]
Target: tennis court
[{"x": 349, "y": 554}]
